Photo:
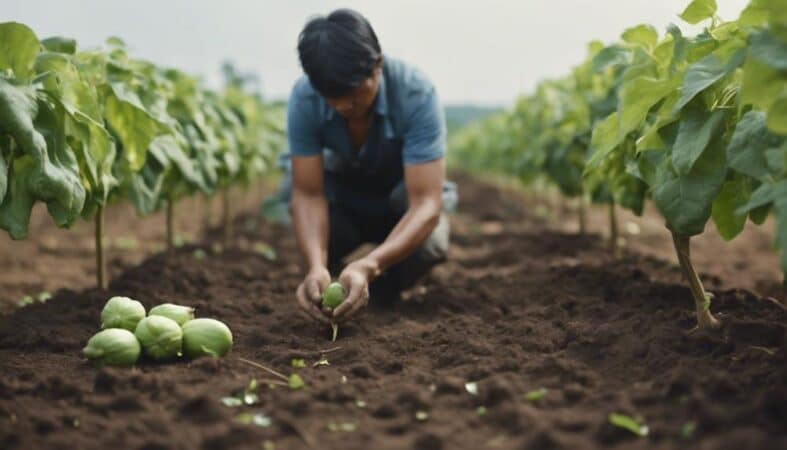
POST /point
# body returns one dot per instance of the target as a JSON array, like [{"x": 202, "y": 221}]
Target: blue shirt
[{"x": 408, "y": 128}]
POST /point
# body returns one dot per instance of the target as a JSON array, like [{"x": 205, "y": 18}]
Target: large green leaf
[
  {"x": 702, "y": 74},
  {"x": 768, "y": 50},
  {"x": 734, "y": 194},
  {"x": 60, "y": 44},
  {"x": 697, "y": 128},
  {"x": 643, "y": 35},
  {"x": 18, "y": 49},
  {"x": 685, "y": 201},
  {"x": 613, "y": 55},
  {"x": 699, "y": 10},
  {"x": 69, "y": 87},
  {"x": 48, "y": 170},
  {"x": 746, "y": 151},
  {"x": 605, "y": 138},
  {"x": 765, "y": 194},
  {"x": 761, "y": 84},
  {"x": 133, "y": 125},
  {"x": 777, "y": 115},
  {"x": 637, "y": 97}
]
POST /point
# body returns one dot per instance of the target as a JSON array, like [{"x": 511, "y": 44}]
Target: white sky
[{"x": 475, "y": 51}]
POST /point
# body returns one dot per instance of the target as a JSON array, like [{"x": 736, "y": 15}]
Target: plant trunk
[
  {"x": 705, "y": 319},
  {"x": 614, "y": 250},
  {"x": 170, "y": 225},
  {"x": 101, "y": 267},
  {"x": 226, "y": 215},
  {"x": 583, "y": 217}
]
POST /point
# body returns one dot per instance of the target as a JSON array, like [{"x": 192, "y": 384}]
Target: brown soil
[{"x": 520, "y": 306}]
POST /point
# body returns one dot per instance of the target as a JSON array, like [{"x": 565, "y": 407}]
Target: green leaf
[
  {"x": 643, "y": 35},
  {"x": 298, "y": 363},
  {"x": 604, "y": 139},
  {"x": 734, "y": 194},
  {"x": 296, "y": 382},
  {"x": 19, "y": 47},
  {"x": 536, "y": 395},
  {"x": 755, "y": 14},
  {"x": 699, "y": 10},
  {"x": 696, "y": 129},
  {"x": 637, "y": 97},
  {"x": 613, "y": 55},
  {"x": 60, "y": 44},
  {"x": 761, "y": 84},
  {"x": 48, "y": 172},
  {"x": 768, "y": 50},
  {"x": 685, "y": 201},
  {"x": 764, "y": 196},
  {"x": 702, "y": 74},
  {"x": 629, "y": 423},
  {"x": 132, "y": 123},
  {"x": 777, "y": 115},
  {"x": 746, "y": 151}
]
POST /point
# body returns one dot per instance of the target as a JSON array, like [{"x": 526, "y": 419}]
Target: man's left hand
[{"x": 355, "y": 279}]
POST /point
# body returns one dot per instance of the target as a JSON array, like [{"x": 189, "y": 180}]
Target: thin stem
[
  {"x": 101, "y": 267},
  {"x": 170, "y": 225},
  {"x": 329, "y": 350},
  {"x": 705, "y": 319},
  {"x": 267, "y": 369},
  {"x": 613, "y": 231},
  {"x": 583, "y": 217}
]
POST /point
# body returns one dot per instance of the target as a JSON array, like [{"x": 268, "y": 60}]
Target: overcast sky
[{"x": 475, "y": 51}]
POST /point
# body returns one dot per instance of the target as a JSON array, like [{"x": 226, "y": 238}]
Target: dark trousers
[{"x": 349, "y": 230}]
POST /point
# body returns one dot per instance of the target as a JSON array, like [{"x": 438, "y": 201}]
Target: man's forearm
[
  {"x": 411, "y": 231},
  {"x": 310, "y": 218}
]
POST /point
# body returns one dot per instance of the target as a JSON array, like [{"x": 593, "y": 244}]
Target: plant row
[{"x": 697, "y": 124}]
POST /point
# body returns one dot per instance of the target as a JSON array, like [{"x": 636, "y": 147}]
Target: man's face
[{"x": 358, "y": 103}]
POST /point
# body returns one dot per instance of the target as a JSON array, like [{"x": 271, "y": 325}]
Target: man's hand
[
  {"x": 309, "y": 293},
  {"x": 355, "y": 279}
]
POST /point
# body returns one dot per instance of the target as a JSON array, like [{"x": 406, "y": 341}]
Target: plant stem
[
  {"x": 101, "y": 267},
  {"x": 335, "y": 328},
  {"x": 583, "y": 217},
  {"x": 613, "y": 231},
  {"x": 226, "y": 215},
  {"x": 170, "y": 225},
  {"x": 267, "y": 369},
  {"x": 705, "y": 319}
]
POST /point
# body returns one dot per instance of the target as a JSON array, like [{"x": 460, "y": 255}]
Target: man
[{"x": 367, "y": 144}]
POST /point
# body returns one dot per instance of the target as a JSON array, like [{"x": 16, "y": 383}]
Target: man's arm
[
  {"x": 310, "y": 217},
  {"x": 424, "y": 183}
]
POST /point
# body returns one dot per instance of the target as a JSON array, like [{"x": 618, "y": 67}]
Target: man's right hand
[{"x": 309, "y": 293}]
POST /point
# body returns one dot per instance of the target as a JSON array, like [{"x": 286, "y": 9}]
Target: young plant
[{"x": 333, "y": 296}]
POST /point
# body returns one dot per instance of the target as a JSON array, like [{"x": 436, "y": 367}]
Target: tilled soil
[{"x": 519, "y": 307}]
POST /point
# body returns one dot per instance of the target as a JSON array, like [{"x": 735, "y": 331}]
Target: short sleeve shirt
[{"x": 408, "y": 128}]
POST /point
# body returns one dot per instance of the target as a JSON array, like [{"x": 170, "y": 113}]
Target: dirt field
[{"x": 523, "y": 304}]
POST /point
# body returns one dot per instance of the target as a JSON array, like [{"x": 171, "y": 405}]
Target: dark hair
[{"x": 338, "y": 52}]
